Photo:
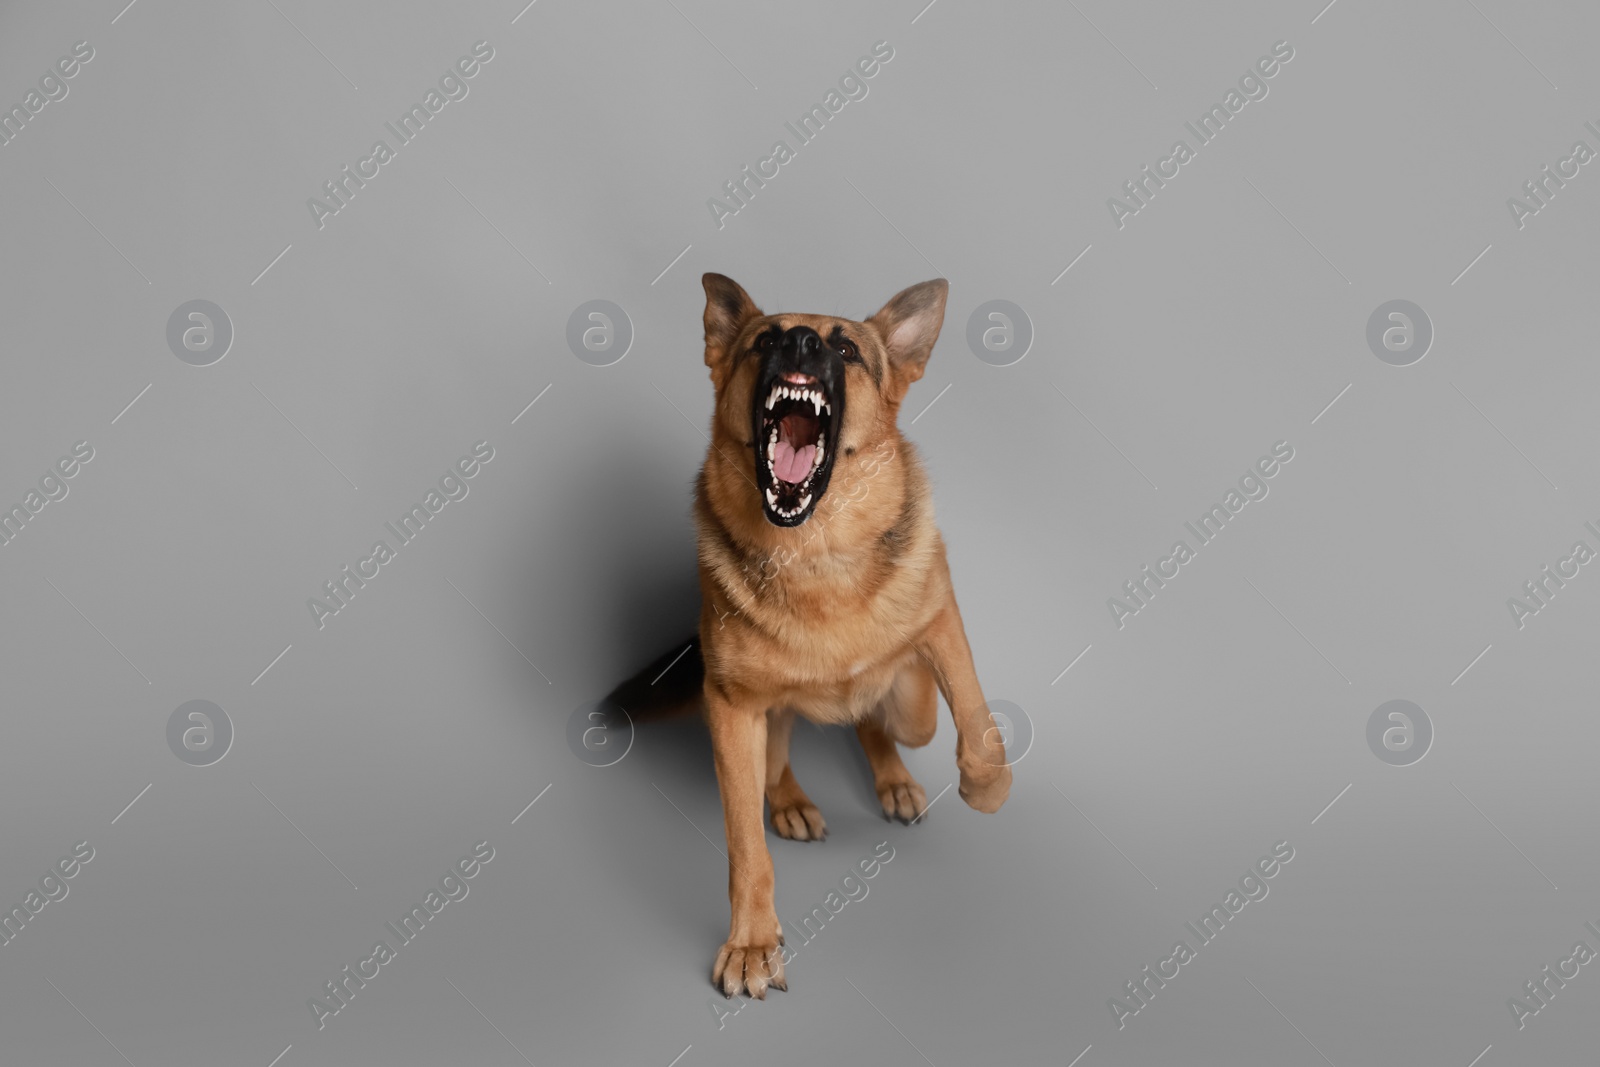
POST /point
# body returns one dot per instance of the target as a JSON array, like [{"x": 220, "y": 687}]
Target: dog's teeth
[
  {"x": 772, "y": 499},
  {"x": 816, "y": 404},
  {"x": 804, "y": 502}
]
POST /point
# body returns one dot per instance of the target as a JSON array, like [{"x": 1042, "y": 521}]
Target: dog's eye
[
  {"x": 766, "y": 343},
  {"x": 848, "y": 350}
]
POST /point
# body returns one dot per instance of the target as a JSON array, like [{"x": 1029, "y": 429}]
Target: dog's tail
[{"x": 670, "y": 685}]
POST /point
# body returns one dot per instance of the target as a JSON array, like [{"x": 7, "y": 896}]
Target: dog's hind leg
[
  {"x": 793, "y": 815},
  {"x": 911, "y": 707},
  {"x": 908, "y": 714}
]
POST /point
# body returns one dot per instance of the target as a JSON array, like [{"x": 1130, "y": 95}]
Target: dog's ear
[
  {"x": 728, "y": 308},
  {"x": 908, "y": 326}
]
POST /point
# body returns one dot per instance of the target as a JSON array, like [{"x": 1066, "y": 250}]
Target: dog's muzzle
[{"x": 797, "y": 411}]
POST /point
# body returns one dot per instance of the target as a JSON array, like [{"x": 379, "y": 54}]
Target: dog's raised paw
[
  {"x": 749, "y": 969},
  {"x": 987, "y": 790},
  {"x": 905, "y": 800},
  {"x": 799, "y": 822}
]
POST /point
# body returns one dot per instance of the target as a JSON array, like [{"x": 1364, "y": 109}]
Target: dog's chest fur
[{"x": 823, "y": 622}]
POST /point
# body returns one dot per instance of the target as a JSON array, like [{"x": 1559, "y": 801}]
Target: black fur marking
[
  {"x": 732, "y": 303},
  {"x": 727, "y": 308},
  {"x": 894, "y": 538},
  {"x": 773, "y": 331},
  {"x": 836, "y": 340}
]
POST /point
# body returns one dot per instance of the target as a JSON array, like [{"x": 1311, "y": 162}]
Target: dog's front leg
[
  {"x": 980, "y": 750},
  {"x": 750, "y": 960}
]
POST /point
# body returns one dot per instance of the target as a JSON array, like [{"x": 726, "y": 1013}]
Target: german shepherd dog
[{"x": 823, "y": 582}]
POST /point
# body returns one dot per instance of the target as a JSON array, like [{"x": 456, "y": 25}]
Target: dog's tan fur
[{"x": 849, "y": 617}]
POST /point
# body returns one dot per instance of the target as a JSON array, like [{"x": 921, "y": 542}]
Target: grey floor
[{"x": 1150, "y": 353}]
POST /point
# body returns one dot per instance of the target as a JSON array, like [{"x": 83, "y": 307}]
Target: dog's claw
[
  {"x": 800, "y": 822},
  {"x": 749, "y": 970},
  {"x": 904, "y": 801}
]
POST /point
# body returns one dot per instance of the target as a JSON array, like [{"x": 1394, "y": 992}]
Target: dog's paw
[
  {"x": 749, "y": 969},
  {"x": 987, "y": 789},
  {"x": 902, "y": 800},
  {"x": 799, "y": 821}
]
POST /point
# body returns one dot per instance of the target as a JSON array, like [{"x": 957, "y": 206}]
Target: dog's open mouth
[{"x": 794, "y": 447}]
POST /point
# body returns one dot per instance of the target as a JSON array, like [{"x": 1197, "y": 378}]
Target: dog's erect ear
[
  {"x": 728, "y": 308},
  {"x": 909, "y": 325}
]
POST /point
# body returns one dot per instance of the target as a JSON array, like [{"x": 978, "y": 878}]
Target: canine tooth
[
  {"x": 772, "y": 499},
  {"x": 816, "y": 404},
  {"x": 805, "y": 500}
]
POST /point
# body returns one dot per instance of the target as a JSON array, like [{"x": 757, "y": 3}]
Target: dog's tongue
[{"x": 792, "y": 464}]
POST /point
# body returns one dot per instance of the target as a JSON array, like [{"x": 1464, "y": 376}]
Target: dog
[{"x": 824, "y": 586}]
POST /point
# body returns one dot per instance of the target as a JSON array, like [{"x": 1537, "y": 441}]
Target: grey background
[{"x": 425, "y": 316}]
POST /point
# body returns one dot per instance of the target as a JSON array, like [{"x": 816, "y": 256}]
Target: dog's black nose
[{"x": 801, "y": 344}]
